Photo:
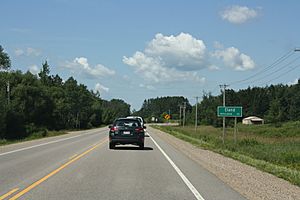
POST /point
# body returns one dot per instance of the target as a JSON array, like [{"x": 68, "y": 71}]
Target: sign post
[
  {"x": 235, "y": 130},
  {"x": 230, "y": 111}
]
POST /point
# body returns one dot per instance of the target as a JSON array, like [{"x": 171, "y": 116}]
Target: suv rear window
[{"x": 127, "y": 123}]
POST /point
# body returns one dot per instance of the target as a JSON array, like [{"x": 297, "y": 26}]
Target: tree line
[
  {"x": 274, "y": 103},
  {"x": 36, "y": 103}
]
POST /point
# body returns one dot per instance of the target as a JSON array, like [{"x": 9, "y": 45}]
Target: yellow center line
[
  {"x": 9, "y": 193},
  {"x": 73, "y": 156},
  {"x": 56, "y": 171}
]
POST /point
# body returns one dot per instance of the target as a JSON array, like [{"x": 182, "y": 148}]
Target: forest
[{"x": 38, "y": 103}]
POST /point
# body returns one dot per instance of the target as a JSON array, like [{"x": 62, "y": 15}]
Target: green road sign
[{"x": 230, "y": 111}]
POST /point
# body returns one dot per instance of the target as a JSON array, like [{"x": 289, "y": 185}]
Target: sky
[{"x": 135, "y": 50}]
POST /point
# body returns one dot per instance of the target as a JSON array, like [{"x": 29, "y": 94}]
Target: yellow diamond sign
[{"x": 167, "y": 116}]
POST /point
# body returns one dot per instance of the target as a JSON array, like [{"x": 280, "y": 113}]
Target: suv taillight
[
  {"x": 114, "y": 128},
  {"x": 139, "y": 130}
]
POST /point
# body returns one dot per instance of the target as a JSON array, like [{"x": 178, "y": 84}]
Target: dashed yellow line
[
  {"x": 9, "y": 193},
  {"x": 56, "y": 171}
]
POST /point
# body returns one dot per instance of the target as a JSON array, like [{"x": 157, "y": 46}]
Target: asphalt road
[{"x": 80, "y": 166}]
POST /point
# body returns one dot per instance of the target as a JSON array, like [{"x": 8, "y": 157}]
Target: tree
[
  {"x": 274, "y": 114},
  {"x": 44, "y": 74},
  {"x": 114, "y": 109},
  {"x": 4, "y": 60}
]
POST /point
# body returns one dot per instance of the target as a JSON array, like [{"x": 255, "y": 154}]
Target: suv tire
[
  {"x": 141, "y": 145},
  {"x": 111, "y": 145}
]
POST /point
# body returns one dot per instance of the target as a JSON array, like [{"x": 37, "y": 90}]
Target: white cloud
[
  {"x": 34, "y": 69},
  {"x": 218, "y": 45},
  {"x": 81, "y": 65},
  {"x": 32, "y": 52},
  {"x": 238, "y": 14},
  {"x": 233, "y": 58},
  {"x": 213, "y": 67},
  {"x": 100, "y": 88},
  {"x": 19, "y": 52},
  {"x": 170, "y": 58},
  {"x": 149, "y": 87},
  {"x": 182, "y": 52},
  {"x": 126, "y": 77},
  {"x": 293, "y": 82},
  {"x": 28, "y": 52},
  {"x": 152, "y": 69}
]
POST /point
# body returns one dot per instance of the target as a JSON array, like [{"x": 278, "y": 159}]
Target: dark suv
[{"x": 126, "y": 131}]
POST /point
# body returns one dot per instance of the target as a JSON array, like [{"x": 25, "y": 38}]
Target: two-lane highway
[{"x": 80, "y": 166}]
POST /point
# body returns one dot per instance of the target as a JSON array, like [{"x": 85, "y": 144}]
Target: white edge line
[
  {"x": 179, "y": 172},
  {"x": 38, "y": 145}
]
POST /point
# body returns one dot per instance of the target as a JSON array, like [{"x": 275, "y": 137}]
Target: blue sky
[{"x": 134, "y": 50}]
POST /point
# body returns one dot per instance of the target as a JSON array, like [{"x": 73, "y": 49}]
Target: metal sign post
[{"x": 235, "y": 130}]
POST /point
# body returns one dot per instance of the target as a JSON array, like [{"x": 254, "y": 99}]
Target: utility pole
[
  {"x": 180, "y": 107},
  {"x": 184, "y": 107},
  {"x": 196, "y": 114},
  {"x": 224, "y": 89},
  {"x": 8, "y": 93}
]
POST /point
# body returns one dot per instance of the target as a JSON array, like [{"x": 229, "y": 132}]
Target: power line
[
  {"x": 277, "y": 61},
  {"x": 268, "y": 75},
  {"x": 283, "y": 74}
]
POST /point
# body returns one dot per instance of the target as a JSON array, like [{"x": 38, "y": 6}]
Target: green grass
[
  {"x": 288, "y": 129},
  {"x": 272, "y": 149},
  {"x": 33, "y": 136}
]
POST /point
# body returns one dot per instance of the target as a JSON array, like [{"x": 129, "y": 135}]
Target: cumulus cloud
[
  {"x": 238, "y": 14},
  {"x": 34, "y": 69},
  {"x": 153, "y": 70},
  {"x": 170, "y": 58},
  {"x": 100, "y": 88},
  {"x": 81, "y": 65},
  {"x": 232, "y": 57},
  {"x": 182, "y": 52},
  {"x": 148, "y": 87},
  {"x": 27, "y": 52}
]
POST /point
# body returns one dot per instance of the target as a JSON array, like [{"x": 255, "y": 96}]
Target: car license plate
[{"x": 126, "y": 132}]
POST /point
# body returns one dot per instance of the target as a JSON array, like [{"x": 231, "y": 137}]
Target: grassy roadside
[
  {"x": 33, "y": 136},
  {"x": 275, "y": 150}
]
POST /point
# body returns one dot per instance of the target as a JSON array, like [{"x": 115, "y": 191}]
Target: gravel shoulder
[{"x": 247, "y": 180}]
